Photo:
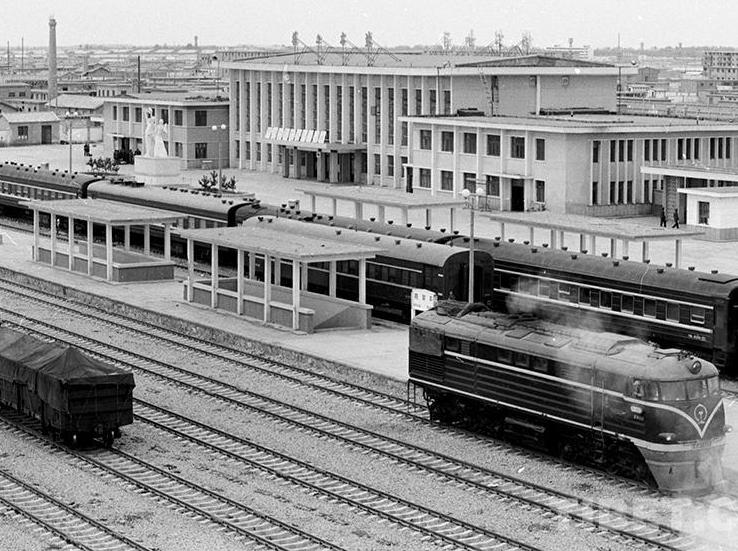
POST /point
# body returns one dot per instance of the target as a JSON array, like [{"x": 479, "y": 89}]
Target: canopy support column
[
  {"x": 296, "y": 284},
  {"x": 332, "y": 278},
  {"x": 147, "y": 239},
  {"x": 362, "y": 281},
  {"x": 613, "y": 247},
  {"x": 532, "y": 235},
  {"x": 213, "y": 275},
  {"x": 625, "y": 248},
  {"x": 127, "y": 237},
  {"x": 70, "y": 242},
  {"x": 677, "y": 253},
  {"x": 380, "y": 214},
  {"x": 451, "y": 217},
  {"x": 428, "y": 217},
  {"x": 645, "y": 251},
  {"x": 109, "y": 251},
  {"x": 36, "y": 232},
  {"x": 167, "y": 242},
  {"x": 190, "y": 269},
  {"x": 239, "y": 281},
  {"x": 90, "y": 243},
  {"x": 404, "y": 216},
  {"x": 582, "y": 242},
  {"x": 53, "y": 228},
  {"x": 268, "y": 288}
]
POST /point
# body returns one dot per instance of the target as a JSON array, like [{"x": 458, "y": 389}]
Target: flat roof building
[
  {"x": 190, "y": 116},
  {"x": 333, "y": 115}
]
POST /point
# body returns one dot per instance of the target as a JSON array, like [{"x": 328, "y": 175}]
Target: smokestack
[
  {"x": 195, "y": 41},
  {"x": 52, "y": 58}
]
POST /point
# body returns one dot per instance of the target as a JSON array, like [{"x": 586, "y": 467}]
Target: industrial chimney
[{"x": 52, "y": 58}]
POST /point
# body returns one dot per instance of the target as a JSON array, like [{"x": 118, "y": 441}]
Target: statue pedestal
[{"x": 157, "y": 171}]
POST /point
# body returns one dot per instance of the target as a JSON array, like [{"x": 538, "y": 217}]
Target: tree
[{"x": 209, "y": 182}]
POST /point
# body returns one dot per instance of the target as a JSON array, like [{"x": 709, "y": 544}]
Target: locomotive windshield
[{"x": 676, "y": 391}]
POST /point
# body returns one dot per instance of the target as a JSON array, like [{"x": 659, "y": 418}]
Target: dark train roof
[
  {"x": 50, "y": 179},
  {"x": 593, "y": 268},
  {"x": 605, "y": 351},
  {"x": 47, "y": 368},
  {"x": 408, "y": 249},
  {"x": 185, "y": 200}
]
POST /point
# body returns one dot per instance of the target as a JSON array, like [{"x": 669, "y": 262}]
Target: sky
[{"x": 392, "y": 22}]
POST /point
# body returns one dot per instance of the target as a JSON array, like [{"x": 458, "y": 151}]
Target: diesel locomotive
[{"x": 601, "y": 398}]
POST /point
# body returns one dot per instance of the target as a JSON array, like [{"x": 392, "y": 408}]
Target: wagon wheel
[{"x": 108, "y": 438}]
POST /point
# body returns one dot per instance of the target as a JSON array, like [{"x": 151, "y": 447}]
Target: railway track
[
  {"x": 65, "y": 524},
  {"x": 320, "y": 382},
  {"x": 266, "y": 532},
  {"x": 618, "y": 523}
]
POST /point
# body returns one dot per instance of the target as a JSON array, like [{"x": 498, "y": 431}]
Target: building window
[
  {"x": 647, "y": 150},
  {"x": 137, "y": 114},
  {"x": 126, "y": 113},
  {"x": 704, "y": 212},
  {"x": 390, "y": 165},
  {"x": 621, "y": 150},
  {"x": 446, "y": 102},
  {"x": 23, "y": 133},
  {"x": 377, "y": 164},
  {"x": 403, "y": 138},
  {"x": 178, "y": 117},
  {"x": 540, "y": 191},
  {"x": 419, "y": 103},
  {"x": 613, "y": 148},
  {"x": 470, "y": 143},
  {"x": 493, "y": 145},
  {"x": 613, "y": 189},
  {"x": 470, "y": 181},
  {"x": 201, "y": 118},
  {"x": 595, "y": 191},
  {"x": 432, "y": 101},
  {"x": 447, "y": 180},
  {"x": 630, "y": 150},
  {"x": 493, "y": 185},
  {"x": 165, "y": 116},
  {"x": 663, "y": 150},
  {"x": 178, "y": 149},
  {"x": 517, "y": 147},
  {"x": 540, "y": 149},
  {"x": 447, "y": 141},
  {"x": 629, "y": 191},
  {"x": 696, "y": 150},
  {"x": 258, "y": 152},
  {"x": 403, "y": 107},
  {"x": 201, "y": 150},
  {"x": 425, "y": 178},
  {"x": 425, "y": 139},
  {"x": 596, "y": 151},
  {"x": 115, "y": 112}
]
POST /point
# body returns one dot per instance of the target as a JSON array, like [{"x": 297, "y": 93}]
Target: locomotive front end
[{"x": 685, "y": 426}]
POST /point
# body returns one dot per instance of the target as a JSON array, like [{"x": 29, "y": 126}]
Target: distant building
[
  {"x": 29, "y": 128},
  {"x": 190, "y": 116},
  {"x": 721, "y": 65}
]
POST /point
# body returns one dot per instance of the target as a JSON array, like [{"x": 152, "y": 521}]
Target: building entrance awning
[{"x": 308, "y": 140}]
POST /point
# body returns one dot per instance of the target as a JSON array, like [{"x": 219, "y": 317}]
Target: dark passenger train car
[
  {"x": 73, "y": 395},
  {"x": 600, "y": 398},
  {"x": 404, "y": 265}
]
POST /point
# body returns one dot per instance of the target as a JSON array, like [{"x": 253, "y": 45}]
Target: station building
[
  {"x": 335, "y": 115},
  {"x": 190, "y": 116},
  {"x": 587, "y": 164}
]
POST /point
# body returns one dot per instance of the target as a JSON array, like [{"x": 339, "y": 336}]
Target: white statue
[
  {"x": 160, "y": 132},
  {"x": 149, "y": 132}
]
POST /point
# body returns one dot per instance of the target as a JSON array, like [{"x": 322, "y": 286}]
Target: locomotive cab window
[
  {"x": 697, "y": 389},
  {"x": 713, "y": 386},
  {"x": 645, "y": 390},
  {"x": 673, "y": 391}
]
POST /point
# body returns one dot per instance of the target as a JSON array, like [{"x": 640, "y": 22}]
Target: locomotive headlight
[
  {"x": 667, "y": 436},
  {"x": 636, "y": 409},
  {"x": 695, "y": 367}
]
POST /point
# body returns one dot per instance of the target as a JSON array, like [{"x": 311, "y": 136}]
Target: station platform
[{"x": 381, "y": 349}]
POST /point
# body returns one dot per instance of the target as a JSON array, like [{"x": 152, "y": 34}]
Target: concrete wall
[{"x": 155, "y": 270}]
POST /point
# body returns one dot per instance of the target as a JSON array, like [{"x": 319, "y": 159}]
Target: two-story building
[
  {"x": 575, "y": 163},
  {"x": 190, "y": 116}
]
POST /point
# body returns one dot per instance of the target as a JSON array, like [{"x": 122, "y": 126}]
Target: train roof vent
[
  {"x": 690, "y": 268},
  {"x": 659, "y": 270},
  {"x": 574, "y": 256},
  {"x": 338, "y": 232},
  {"x": 564, "y": 248},
  {"x": 377, "y": 238},
  {"x": 397, "y": 241},
  {"x": 713, "y": 271},
  {"x": 669, "y": 264},
  {"x": 372, "y": 219},
  {"x": 616, "y": 263},
  {"x": 418, "y": 245},
  {"x": 605, "y": 343},
  {"x": 410, "y": 225},
  {"x": 429, "y": 240},
  {"x": 390, "y": 222},
  {"x": 534, "y": 250}
]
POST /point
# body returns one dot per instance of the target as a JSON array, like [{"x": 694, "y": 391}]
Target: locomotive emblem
[{"x": 700, "y": 414}]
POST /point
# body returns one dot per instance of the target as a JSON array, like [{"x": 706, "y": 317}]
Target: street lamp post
[
  {"x": 69, "y": 118},
  {"x": 216, "y": 80},
  {"x": 215, "y": 129},
  {"x": 469, "y": 196}
]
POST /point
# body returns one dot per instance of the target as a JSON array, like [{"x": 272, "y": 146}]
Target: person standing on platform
[
  {"x": 663, "y": 217},
  {"x": 676, "y": 219}
]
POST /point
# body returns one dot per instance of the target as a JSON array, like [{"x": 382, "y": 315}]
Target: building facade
[
  {"x": 24, "y": 128},
  {"x": 335, "y": 116},
  {"x": 580, "y": 164},
  {"x": 190, "y": 116}
]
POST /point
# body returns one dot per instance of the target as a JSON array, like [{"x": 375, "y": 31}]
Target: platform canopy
[
  {"x": 104, "y": 212},
  {"x": 281, "y": 244},
  {"x": 382, "y": 198},
  {"x": 275, "y": 245},
  {"x": 612, "y": 229}
]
